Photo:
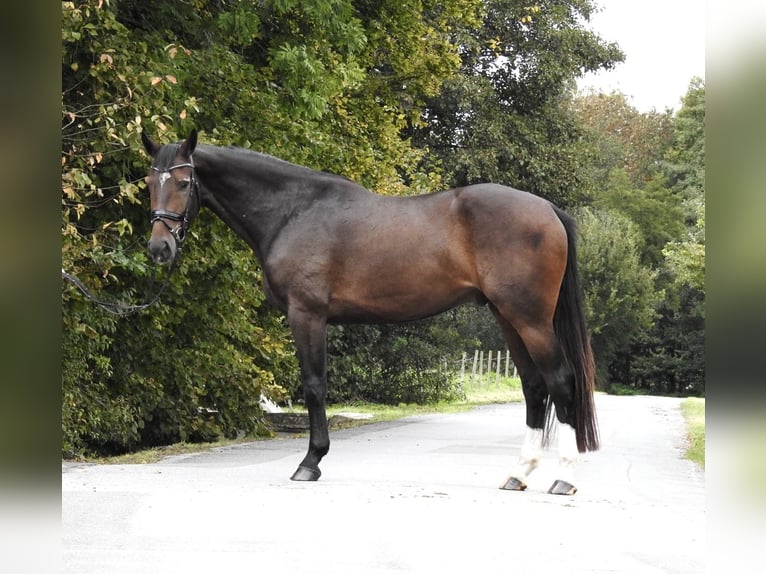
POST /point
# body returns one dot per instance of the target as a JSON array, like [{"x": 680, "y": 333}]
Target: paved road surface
[{"x": 419, "y": 495}]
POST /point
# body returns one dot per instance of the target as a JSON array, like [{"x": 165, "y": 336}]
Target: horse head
[{"x": 172, "y": 187}]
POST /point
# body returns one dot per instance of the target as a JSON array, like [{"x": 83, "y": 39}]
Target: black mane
[{"x": 270, "y": 160}]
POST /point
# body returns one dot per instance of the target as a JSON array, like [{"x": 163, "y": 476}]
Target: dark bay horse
[{"x": 334, "y": 252}]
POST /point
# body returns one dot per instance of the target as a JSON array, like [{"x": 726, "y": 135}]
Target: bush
[{"x": 391, "y": 364}]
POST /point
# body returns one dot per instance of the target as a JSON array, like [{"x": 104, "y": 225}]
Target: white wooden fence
[{"x": 497, "y": 362}]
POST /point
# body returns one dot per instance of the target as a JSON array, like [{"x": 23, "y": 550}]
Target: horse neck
[{"x": 255, "y": 195}]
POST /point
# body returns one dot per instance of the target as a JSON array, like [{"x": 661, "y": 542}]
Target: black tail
[{"x": 571, "y": 330}]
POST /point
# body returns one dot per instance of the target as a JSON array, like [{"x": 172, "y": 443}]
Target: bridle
[{"x": 162, "y": 215}]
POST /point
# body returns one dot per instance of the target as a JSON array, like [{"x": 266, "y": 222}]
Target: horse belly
[{"x": 399, "y": 285}]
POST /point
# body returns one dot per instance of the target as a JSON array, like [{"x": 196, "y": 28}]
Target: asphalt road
[{"x": 418, "y": 495}]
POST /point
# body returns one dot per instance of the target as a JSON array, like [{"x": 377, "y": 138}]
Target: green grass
[
  {"x": 155, "y": 454},
  {"x": 490, "y": 390},
  {"x": 494, "y": 389},
  {"x": 625, "y": 390},
  {"x": 694, "y": 414}
]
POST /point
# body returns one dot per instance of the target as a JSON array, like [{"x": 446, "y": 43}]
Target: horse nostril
[{"x": 160, "y": 250}]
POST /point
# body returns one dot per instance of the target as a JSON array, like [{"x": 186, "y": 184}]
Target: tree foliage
[
  {"x": 394, "y": 364},
  {"x": 685, "y": 164},
  {"x": 649, "y": 168},
  {"x": 620, "y": 295},
  {"x": 325, "y": 84},
  {"x": 501, "y": 119},
  {"x": 621, "y": 137},
  {"x": 402, "y": 97},
  {"x": 672, "y": 354}
]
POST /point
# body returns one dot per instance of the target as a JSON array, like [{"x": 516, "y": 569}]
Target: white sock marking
[{"x": 568, "y": 453}]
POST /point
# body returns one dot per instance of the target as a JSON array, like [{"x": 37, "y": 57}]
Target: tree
[
  {"x": 656, "y": 211},
  {"x": 672, "y": 354},
  {"x": 625, "y": 168},
  {"x": 501, "y": 118},
  {"x": 650, "y": 168},
  {"x": 685, "y": 165},
  {"x": 506, "y": 116},
  {"x": 621, "y": 137},
  {"x": 620, "y": 295},
  {"x": 318, "y": 83}
]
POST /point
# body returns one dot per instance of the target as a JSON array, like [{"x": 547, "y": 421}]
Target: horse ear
[
  {"x": 191, "y": 142},
  {"x": 150, "y": 147}
]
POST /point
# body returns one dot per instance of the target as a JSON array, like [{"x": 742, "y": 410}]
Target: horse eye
[{"x": 183, "y": 184}]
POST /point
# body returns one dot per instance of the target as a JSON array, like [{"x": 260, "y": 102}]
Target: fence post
[
  {"x": 507, "y": 362},
  {"x": 489, "y": 362},
  {"x": 462, "y": 371},
  {"x": 473, "y": 371},
  {"x": 497, "y": 369},
  {"x": 481, "y": 366}
]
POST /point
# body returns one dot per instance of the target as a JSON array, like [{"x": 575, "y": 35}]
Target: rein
[
  {"x": 179, "y": 234},
  {"x": 119, "y": 308}
]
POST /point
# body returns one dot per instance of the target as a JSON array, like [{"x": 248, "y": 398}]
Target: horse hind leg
[
  {"x": 546, "y": 351},
  {"x": 536, "y": 398},
  {"x": 568, "y": 459},
  {"x": 548, "y": 386}
]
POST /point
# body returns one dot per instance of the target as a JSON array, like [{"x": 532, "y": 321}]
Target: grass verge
[
  {"x": 694, "y": 413},
  {"x": 492, "y": 390}
]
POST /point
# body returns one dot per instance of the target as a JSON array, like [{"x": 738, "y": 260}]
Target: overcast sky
[{"x": 664, "y": 46}]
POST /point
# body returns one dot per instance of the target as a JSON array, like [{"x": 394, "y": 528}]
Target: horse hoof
[
  {"x": 562, "y": 487},
  {"x": 305, "y": 474},
  {"x": 513, "y": 483}
]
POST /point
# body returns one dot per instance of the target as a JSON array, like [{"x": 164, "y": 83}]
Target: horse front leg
[{"x": 310, "y": 334}]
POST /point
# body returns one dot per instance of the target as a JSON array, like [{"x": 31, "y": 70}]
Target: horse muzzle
[
  {"x": 162, "y": 250},
  {"x": 164, "y": 245}
]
